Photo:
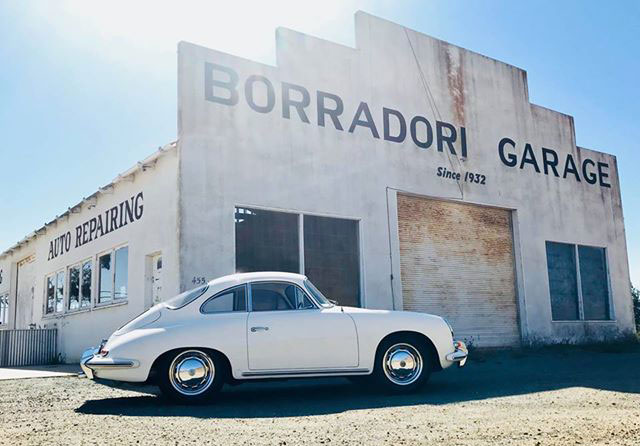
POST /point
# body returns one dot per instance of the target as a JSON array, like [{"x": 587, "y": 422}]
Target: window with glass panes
[
  {"x": 80, "y": 286},
  {"x": 4, "y": 309},
  {"x": 113, "y": 276},
  {"x": 54, "y": 292}
]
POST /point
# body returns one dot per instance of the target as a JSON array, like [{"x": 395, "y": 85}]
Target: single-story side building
[{"x": 406, "y": 173}]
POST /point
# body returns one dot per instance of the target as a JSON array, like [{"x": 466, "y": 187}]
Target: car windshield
[
  {"x": 317, "y": 295},
  {"x": 186, "y": 298}
]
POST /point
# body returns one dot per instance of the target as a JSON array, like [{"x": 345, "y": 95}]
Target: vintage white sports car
[{"x": 270, "y": 325}]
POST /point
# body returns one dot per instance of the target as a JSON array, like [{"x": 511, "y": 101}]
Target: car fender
[
  {"x": 374, "y": 325},
  {"x": 145, "y": 345}
]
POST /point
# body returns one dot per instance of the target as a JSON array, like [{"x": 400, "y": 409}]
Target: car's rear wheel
[
  {"x": 191, "y": 376},
  {"x": 403, "y": 363}
]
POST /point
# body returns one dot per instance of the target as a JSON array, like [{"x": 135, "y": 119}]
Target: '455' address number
[{"x": 199, "y": 280}]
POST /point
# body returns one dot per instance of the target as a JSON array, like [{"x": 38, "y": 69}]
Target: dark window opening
[
  {"x": 595, "y": 286},
  {"x": 563, "y": 285},
  {"x": 578, "y": 282},
  {"x": 266, "y": 241},
  {"x": 331, "y": 257}
]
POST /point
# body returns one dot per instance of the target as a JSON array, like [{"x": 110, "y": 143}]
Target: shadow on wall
[{"x": 491, "y": 375}]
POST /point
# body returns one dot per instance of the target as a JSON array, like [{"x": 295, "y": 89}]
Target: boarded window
[
  {"x": 578, "y": 282},
  {"x": 266, "y": 241},
  {"x": 563, "y": 288},
  {"x": 595, "y": 287},
  {"x": 331, "y": 258},
  {"x": 270, "y": 241}
]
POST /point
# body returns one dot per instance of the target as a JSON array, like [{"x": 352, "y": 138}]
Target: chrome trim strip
[
  {"x": 307, "y": 372},
  {"x": 116, "y": 364}
]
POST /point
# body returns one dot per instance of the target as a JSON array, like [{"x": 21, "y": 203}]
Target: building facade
[
  {"x": 405, "y": 173},
  {"x": 95, "y": 267}
]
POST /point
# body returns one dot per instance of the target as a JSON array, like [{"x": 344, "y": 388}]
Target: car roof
[{"x": 250, "y": 277}]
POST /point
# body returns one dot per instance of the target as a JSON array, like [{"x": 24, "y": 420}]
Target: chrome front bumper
[
  {"x": 91, "y": 363},
  {"x": 459, "y": 354}
]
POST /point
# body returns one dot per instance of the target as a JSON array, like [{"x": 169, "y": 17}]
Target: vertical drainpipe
[
  {"x": 179, "y": 235},
  {"x": 179, "y": 178},
  {"x": 391, "y": 276}
]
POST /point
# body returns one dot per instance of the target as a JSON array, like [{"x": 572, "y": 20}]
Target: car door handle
[{"x": 254, "y": 329}]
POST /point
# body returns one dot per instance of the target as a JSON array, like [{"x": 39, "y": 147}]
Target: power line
[{"x": 434, "y": 108}]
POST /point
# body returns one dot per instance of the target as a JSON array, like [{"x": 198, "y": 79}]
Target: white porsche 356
[{"x": 270, "y": 325}]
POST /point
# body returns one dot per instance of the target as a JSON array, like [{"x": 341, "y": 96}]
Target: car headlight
[{"x": 448, "y": 325}]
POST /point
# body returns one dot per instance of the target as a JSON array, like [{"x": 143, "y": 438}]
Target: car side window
[
  {"x": 233, "y": 299},
  {"x": 278, "y": 296}
]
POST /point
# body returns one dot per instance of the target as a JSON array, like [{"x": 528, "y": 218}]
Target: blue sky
[{"x": 89, "y": 88}]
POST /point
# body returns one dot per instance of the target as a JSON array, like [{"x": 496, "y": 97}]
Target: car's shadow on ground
[{"x": 495, "y": 376}]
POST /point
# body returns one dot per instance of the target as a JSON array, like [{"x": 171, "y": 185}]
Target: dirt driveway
[{"x": 553, "y": 397}]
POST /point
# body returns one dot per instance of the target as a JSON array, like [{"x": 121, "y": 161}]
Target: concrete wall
[
  {"x": 234, "y": 155},
  {"x": 156, "y": 231}
]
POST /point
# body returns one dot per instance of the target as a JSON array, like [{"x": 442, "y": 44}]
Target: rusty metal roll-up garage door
[{"x": 456, "y": 261}]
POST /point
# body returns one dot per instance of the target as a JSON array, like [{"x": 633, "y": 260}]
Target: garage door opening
[{"x": 457, "y": 261}]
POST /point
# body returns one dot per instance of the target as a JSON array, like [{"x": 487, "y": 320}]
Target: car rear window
[{"x": 186, "y": 298}]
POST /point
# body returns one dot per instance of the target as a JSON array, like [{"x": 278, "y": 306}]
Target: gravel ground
[{"x": 552, "y": 397}]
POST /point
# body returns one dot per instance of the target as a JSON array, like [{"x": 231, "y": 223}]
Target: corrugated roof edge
[{"x": 139, "y": 166}]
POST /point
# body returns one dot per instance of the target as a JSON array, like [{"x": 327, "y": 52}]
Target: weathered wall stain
[{"x": 455, "y": 81}]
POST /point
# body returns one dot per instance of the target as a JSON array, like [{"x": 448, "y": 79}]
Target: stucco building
[{"x": 405, "y": 173}]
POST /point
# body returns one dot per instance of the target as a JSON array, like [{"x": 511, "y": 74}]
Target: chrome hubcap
[
  {"x": 191, "y": 372},
  {"x": 402, "y": 364}
]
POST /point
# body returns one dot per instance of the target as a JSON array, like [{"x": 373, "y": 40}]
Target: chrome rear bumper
[
  {"x": 86, "y": 357},
  {"x": 459, "y": 354},
  {"x": 91, "y": 363}
]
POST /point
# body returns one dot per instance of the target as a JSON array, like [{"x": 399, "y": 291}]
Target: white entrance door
[
  {"x": 156, "y": 279},
  {"x": 284, "y": 333},
  {"x": 24, "y": 293}
]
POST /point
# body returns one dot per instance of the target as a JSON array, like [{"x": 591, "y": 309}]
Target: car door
[
  {"x": 222, "y": 325},
  {"x": 287, "y": 331}
]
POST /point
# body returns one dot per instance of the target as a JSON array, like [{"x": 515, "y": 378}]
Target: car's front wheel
[
  {"x": 403, "y": 363},
  {"x": 191, "y": 376}
]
